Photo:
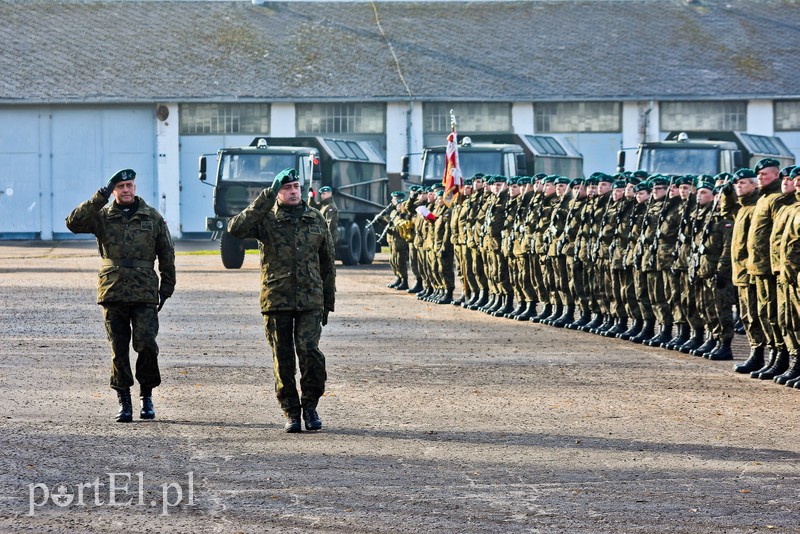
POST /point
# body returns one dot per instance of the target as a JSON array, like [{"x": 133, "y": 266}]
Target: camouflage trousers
[
  {"x": 748, "y": 312},
  {"x": 767, "y": 309},
  {"x": 296, "y": 333},
  {"x": 715, "y": 308},
  {"x": 659, "y": 299},
  {"x": 413, "y": 260},
  {"x": 792, "y": 315},
  {"x": 398, "y": 258},
  {"x": 642, "y": 294},
  {"x": 786, "y": 323},
  {"x": 623, "y": 295},
  {"x": 140, "y": 322},
  {"x": 444, "y": 267},
  {"x": 687, "y": 302}
]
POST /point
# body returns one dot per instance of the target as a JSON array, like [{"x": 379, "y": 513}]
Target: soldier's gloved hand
[
  {"x": 325, "y": 313},
  {"x": 106, "y": 190},
  {"x": 727, "y": 189},
  {"x": 162, "y": 298}
]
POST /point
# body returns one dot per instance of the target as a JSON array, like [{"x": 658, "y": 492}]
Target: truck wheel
[
  {"x": 232, "y": 251},
  {"x": 367, "y": 244},
  {"x": 351, "y": 249}
]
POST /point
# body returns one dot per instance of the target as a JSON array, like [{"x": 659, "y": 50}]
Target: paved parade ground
[{"x": 436, "y": 419}]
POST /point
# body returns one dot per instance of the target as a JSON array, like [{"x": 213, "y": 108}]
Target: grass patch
[{"x": 209, "y": 252}]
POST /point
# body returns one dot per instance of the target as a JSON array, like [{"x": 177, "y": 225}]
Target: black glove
[
  {"x": 162, "y": 298},
  {"x": 720, "y": 280},
  {"x": 727, "y": 189},
  {"x": 106, "y": 191},
  {"x": 325, "y": 313},
  {"x": 119, "y": 176}
]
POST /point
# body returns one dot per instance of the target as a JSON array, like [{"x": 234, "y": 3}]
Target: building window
[
  {"x": 341, "y": 118},
  {"x": 215, "y": 119},
  {"x": 787, "y": 115},
  {"x": 471, "y": 117},
  {"x": 698, "y": 116},
  {"x": 577, "y": 117}
]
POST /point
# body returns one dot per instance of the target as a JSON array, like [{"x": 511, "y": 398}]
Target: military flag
[
  {"x": 452, "y": 179},
  {"x": 425, "y": 212}
]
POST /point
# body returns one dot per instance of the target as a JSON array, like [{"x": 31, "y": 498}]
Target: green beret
[
  {"x": 640, "y": 174},
  {"x": 603, "y": 177},
  {"x": 705, "y": 178},
  {"x": 396, "y": 194},
  {"x": 633, "y": 180},
  {"x": 741, "y": 174},
  {"x": 591, "y": 180},
  {"x": 705, "y": 184},
  {"x": 787, "y": 171},
  {"x": 619, "y": 184},
  {"x": 500, "y": 178},
  {"x": 767, "y": 162},
  {"x": 641, "y": 186},
  {"x": 795, "y": 172},
  {"x": 325, "y": 189},
  {"x": 562, "y": 180},
  {"x": 440, "y": 192},
  {"x": 576, "y": 182},
  {"x": 415, "y": 188},
  {"x": 723, "y": 176},
  {"x": 513, "y": 181},
  {"x": 627, "y": 174},
  {"x": 538, "y": 176},
  {"x": 468, "y": 182},
  {"x": 122, "y": 176},
  {"x": 684, "y": 180},
  {"x": 524, "y": 180},
  {"x": 478, "y": 176},
  {"x": 438, "y": 187},
  {"x": 659, "y": 180},
  {"x": 286, "y": 176},
  {"x": 549, "y": 179}
]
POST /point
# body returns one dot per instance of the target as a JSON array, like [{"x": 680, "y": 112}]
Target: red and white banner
[
  {"x": 452, "y": 171},
  {"x": 425, "y": 212}
]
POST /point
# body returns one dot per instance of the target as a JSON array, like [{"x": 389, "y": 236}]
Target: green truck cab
[{"x": 353, "y": 169}]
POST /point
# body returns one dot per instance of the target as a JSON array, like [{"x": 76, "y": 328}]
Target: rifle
[
  {"x": 699, "y": 250},
  {"x": 639, "y": 251},
  {"x": 626, "y": 207},
  {"x": 657, "y": 237},
  {"x": 379, "y": 215},
  {"x": 563, "y": 239},
  {"x": 603, "y": 222}
]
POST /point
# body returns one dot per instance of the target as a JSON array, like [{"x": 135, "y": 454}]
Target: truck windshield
[
  {"x": 471, "y": 162},
  {"x": 678, "y": 161},
  {"x": 257, "y": 167}
]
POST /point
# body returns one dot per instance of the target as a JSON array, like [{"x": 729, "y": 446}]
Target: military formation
[{"x": 679, "y": 262}]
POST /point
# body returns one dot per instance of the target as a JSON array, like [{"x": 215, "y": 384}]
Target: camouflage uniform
[
  {"x": 330, "y": 212},
  {"x": 298, "y": 282},
  {"x": 128, "y": 288}
]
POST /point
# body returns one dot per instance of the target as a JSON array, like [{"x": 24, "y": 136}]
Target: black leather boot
[
  {"x": 778, "y": 367},
  {"x": 664, "y": 335},
  {"x": 634, "y": 330},
  {"x": 507, "y": 306},
  {"x": 417, "y": 287},
  {"x": 647, "y": 331},
  {"x": 292, "y": 425},
  {"x": 753, "y": 363},
  {"x": 620, "y": 325},
  {"x": 709, "y": 345},
  {"x": 773, "y": 355},
  {"x": 566, "y": 318},
  {"x": 424, "y": 293},
  {"x": 681, "y": 337},
  {"x": 738, "y": 326},
  {"x": 395, "y": 283},
  {"x": 146, "y": 400},
  {"x": 594, "y": 323},
  {"x": 722, "y": 352},
  {"x": 403, "y": 285},
  {"x": 490, "y": 303},
  {"x": 581, "y": 321},
  {"x": 516, "y": 311},
  {"x": 557, "y": 312},
  {"x": 311, "y": 418},
  {"x": 528, "y": 312},
  {"x": 125, "y": 414},
  {"x": 479, "y": 301},
  {"x": 692, "y": 343},
  {"x": 605, "y": 325},
  {"x": 447, "y": 298},
  {"x": 547, "y": 309},
  {"x": 792, "y": 372}
]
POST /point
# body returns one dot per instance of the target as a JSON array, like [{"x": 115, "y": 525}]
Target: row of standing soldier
[{"x": 658, "y": 260}]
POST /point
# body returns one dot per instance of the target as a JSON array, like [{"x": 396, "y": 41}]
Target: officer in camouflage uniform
[
  {"x": 298, "y": 287},
  {"x": 475, "y": 241},
  {"x": 576, "y": 268},
  {"x": 329, "y": 211},
  {"x": 522, "y": 253},
  {"x": 130, "y": 236},
  {"x": 469, "y": 282},
  {"x": 633, "y": 258},
  {"x": 538, "y": 222},
  {"x": 619, "y": 219}
]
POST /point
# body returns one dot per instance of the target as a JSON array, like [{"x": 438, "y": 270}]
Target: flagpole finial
[{"x": 452, "y": 120}]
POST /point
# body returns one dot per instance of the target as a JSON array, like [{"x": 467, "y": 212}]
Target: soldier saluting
[{"x": 130, "y": 235}]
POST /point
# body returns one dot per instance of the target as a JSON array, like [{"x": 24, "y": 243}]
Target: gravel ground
[{"x": 436, "y": 419}]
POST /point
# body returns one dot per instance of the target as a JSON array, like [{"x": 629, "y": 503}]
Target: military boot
[
  {"x": 490, "y": 303},
  {"x": 664, "y": 335},
  {"x": 716, "y": 347},
  {"x": 506, "y": 307},
  {"x": 530, "y": 311},
  {"x": 403, "y": 285},
  {"x": 125, "y": 414},
  {"x": 558, "y": 311},
  {"x": 681, "y": 337},
  {"x": 516, "y": 311},
  {"x": 620, "y": 325},
  {"x": 605, "y": 325},
  {"x": 792, "y": 372},
  {"x": 754, "y": 362},
  {"x": 566, "y": 318},
  {"x": 480, "y": 300},
  {"x": 447, "y": 298},
  {"x": 709, "y": 345},
  {"x": 395, "y": 283},
  {"x": 424, "y": 293},
  {"x": 311, "y": 418},
  {"x": 461, "y": 300},
  {"x": 692, "y": 343},
  {"x": 647, "y": 331},
  {"x": 634, "y": 330},
  {"x": 722, "y": 352},
  {"x": 738, "y": 326},
  {"x": 547, "y": 309},
  {"x": 292, "y": 425},
  {"x": 146, "y": 400},
  {"x": 778, "y": 367},
  {"x": 417, "y": 287},
  {"x": 594, "y": 323},
  {"x": 773, "y": 355},
  {"x": 581, "y": 321}
]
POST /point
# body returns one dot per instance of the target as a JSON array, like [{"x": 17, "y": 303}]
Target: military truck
[
  {"x": 353, "y": 169},
  {"x": 505, "y": 154},
  {"x": 706, "y": 152}
]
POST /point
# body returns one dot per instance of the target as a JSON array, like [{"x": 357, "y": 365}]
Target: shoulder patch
[{"x": 147, "y": 226}]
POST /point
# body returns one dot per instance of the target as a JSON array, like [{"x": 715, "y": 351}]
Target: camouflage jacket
[
  {"x": 783, "y": 209},
  {"x": 712, "y": 243},
  {"x": 758, "y": 243},
  {"x": 741, "y": 228},
  {"x": 297, "y": 254},
  {"x": 129, "y": 247},
  {"x": 790, "y": 246},
  {"x": 331, "y": 214}
]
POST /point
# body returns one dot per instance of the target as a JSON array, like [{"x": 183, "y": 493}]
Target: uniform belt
[{"x": 128, "y": 263}]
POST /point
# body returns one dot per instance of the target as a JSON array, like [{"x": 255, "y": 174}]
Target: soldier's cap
[
  {"x": 395, "y": 194},
  {"x": 595, "y": 174},
  {"x": 641, "y": 174},
  {"x": 468, "y": 182},
  {"x": 659, "y": 180},
  {"x": 122, "y": 176},
  {"x": 687, "y": 179},
  {"x": 591, "y": 180},
  {"x": 325, "y": 189},
  {"x": 478, "y": 176},
  {"x": 539, "y": 176},
  {"x": 704, "y": 178},
  {"x": 549, "y": 179},
  {"x": 513, "y": 181},
  {"x": 786, "y": 172},
  {"x": 627, "y": 174},
  {"x": 286, "y": 176},
  {"x": 524, "y": 180},
  {"x": 437, "y": 187},
  {"x": 741, "y": 174},
  {"x": 576, "y": 182},
  {"x": 641, "y": 186},
  {"x": 767, "y": 162},
  {"x": 440, "y": 192},
  {"x": 603, "y": 177},
  {"x": 562, "y": 180},
  {"x": 705, "y": 184},
  {"x": 633, "y": 180},
  {"x": 723, "y": 177},
  {"x": 499, "y": 178},
  {"x": 415, "y": 188},
  {"x": 795, "y": 172},
  {"x": 619, "y": 184}
]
